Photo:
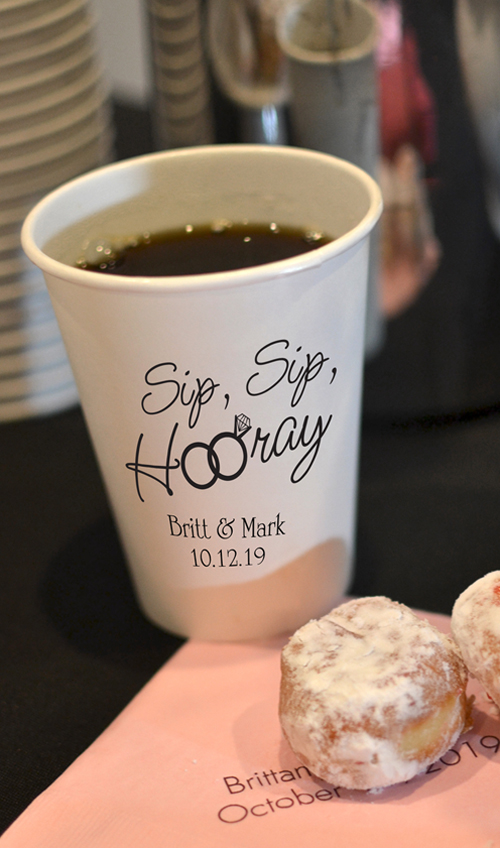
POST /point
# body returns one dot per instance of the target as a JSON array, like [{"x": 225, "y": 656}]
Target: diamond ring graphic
[{"x": 241, "y": 426}]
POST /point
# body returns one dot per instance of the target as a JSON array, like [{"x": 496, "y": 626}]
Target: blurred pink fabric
[{"x": 410, "y": 250}]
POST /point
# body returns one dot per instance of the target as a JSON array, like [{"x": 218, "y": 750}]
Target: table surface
[{"x": 74, "y": 645}]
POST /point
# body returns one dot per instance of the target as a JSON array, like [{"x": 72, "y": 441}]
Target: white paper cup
[
  {"x": 333, "y": 104},
  {"x": 224, "y": 408},
  {"x": 18, "y": 170},
  {"x": 32, "y": 358},
  {"x": 23, "y": 114},
  {"x": 27, "y": 183},
  {"x": 40, "y": 403},
  {"x": 178, "y": 57},
  {"x": 25, "y": 311},
  {"x": 35, "y": 382},
  {"x": 334, "y": 99},
  {"x": 164, "y": 12},
  {"x": 177, "y": 30},
  {"x": 50, "y": 24},
  {"x": 20, "y": 285},
  {"x": 53, "y": 77},
  {"x": 46, "y": 331},
  {"x": 37, "y": 58},
  {"x": 48, "y": 134},
  {"x": 478, "y": 38}
]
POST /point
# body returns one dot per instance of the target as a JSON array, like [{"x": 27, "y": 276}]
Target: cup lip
[
  {"x": 196, "y": 282},
  {"x": 49, "y": 74},
  {"x": 46, "y": 49},
  {"x": 321, "y": 58},
  {"x": 54, "y": 130},
  {"x": 51, "y": 154},
  {"x": 44, "y": 21}
]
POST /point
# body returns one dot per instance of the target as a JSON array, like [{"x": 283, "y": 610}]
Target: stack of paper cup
[
  {"x": 54, "y": 124},
  {"x": 249, "y": 66},
  {"x": 334, "y": 100},
  {"x": 182, "y": 108},
  {"x": 478, "y": 37}
]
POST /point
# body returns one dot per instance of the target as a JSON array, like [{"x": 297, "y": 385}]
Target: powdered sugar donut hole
[
  {"x": 475, "y": 624},
  {"x": 371, "y": 695}
]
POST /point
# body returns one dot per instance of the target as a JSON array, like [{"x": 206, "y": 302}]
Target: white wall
[{"x": 123, "y": 39}]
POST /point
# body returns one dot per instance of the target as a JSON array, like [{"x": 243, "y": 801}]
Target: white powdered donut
[
  {"x": 475, "y": 623},
  {"x": 371, "y": 695}
]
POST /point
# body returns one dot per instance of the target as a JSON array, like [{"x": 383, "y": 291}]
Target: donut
[
  {"x": 371, "y": 695},
  {"x": 475, "y": 624}
]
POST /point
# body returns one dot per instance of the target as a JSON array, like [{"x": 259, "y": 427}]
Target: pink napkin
[{"x": 197, "y": 759}]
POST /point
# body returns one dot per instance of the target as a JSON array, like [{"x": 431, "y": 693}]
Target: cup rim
[
  {"x": 12, "y": 5},
  {"x": 45, "y": 157},
  {"x": 54, "y": 130},
  {"x": 46, "y": 49},
  {"x": 27, "y": 186},
  {"x": 46, "y": 20},
  {"x": 224, "y": 279},
  {"x": 31, "y": 357},
  {"x": 328, "y": 58},
  {"x": 54, "y": 99},
  {"x": 41, "y": 403}
]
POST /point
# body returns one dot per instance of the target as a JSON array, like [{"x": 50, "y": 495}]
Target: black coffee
[{"x": 204, "y": 250}]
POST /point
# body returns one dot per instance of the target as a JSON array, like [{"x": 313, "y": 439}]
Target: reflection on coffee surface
[{"x": 212, "y": 248}]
